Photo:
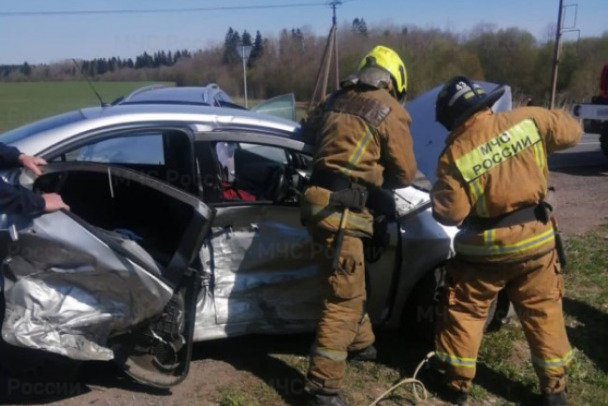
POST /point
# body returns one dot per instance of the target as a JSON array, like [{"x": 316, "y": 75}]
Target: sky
[{"x": 37, "y": 31}]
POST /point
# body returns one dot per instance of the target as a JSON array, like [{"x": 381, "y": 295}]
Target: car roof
[
  {"x": 209, "y": 95},
  {"x": 207, "y": 118}
]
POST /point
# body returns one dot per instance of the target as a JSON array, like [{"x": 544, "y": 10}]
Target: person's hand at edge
[
  {"x": 33, "y": 163},
  {"x": 53, "y": 202}
]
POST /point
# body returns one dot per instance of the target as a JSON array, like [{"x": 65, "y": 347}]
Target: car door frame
[{"x": 246, "y": 209}]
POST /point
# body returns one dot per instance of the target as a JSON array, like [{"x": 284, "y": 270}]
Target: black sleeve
[
  {"x": 18, "y": 200},
  {"x": 9, "y": 156}
]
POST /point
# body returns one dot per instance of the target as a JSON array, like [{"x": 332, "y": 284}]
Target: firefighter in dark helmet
[
  {"x": 492, "y": 182},
  {"x": 362, "y": 144}
]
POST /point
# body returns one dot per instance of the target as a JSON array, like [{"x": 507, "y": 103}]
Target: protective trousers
[
  {"x": 344, "y": 325},
  {"x": 535, "y": 287}
]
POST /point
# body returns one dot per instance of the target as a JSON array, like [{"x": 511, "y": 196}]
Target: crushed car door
[
  {"x": 264, "y": 273},
  {"x": 114, "y": 278}
]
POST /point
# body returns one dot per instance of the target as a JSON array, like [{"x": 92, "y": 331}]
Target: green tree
[
  {"x": 231, "y": 42},
  {"x": 506, "y": 56},
  {"x": 246, "y": 38},
  {"x": 26, "y": 69},
  {"x": 258, "y": 49},
  {"x": 359, "y": 27}
]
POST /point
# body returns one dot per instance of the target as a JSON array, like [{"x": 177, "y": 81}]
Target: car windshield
[{"x": 40, "y": 126}]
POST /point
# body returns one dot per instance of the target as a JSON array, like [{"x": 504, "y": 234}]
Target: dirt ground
[
  {"x": 583, "y": 203},
  {"x": 582, "y": 198}
]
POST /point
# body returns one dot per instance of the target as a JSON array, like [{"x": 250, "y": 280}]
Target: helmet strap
[{"x": 392, "y": 89}]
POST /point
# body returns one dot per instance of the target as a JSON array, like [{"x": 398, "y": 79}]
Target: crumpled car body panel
[
  {"x": 69, "y": 287},
  {"x": 66, "y": 291}
]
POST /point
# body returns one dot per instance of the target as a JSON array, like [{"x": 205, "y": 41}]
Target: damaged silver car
[{"x": 185, "y": 227}]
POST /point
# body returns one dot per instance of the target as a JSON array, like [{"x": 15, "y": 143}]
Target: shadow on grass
[
  {"x": 506, "y": 388},
  {"x": 61, "y": 383},
  {"x": 253, "y": 354},
  {"x": 591, "y": 335},
  {"x": 394, "y": 351}
]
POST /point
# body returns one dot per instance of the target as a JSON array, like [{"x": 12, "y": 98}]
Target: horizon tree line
[{"x": 290, "y": 62}]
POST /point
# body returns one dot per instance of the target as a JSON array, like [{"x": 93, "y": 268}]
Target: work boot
[
  {"x": 435, "y": 382},
  {"x": 554, "y": 399},
  {"x": 320, "y": 399},
  {"x": 455, "y": 396},
  {"x": 368, "y": 353}
]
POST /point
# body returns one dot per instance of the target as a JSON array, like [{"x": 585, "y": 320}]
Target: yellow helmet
[{"x": 387, "y": 59}]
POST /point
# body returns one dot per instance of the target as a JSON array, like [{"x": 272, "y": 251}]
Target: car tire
[{"x": 423, "y": 308}]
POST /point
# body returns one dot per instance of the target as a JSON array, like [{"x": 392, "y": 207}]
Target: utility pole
[
  {"x": 558, "y": 38},
  {"x": 334, "y": 21},
  {"x": 331, "y": 52}
]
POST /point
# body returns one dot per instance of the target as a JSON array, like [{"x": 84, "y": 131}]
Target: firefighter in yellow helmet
[
  {"x": 492, "y": 182},
  {"x": 362, "y": 144}
]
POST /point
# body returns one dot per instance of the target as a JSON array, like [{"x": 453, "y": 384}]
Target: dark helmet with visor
[{"x": 460, "y": 98}]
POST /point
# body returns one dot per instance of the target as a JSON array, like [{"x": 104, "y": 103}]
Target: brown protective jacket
[
  {"x": 494, "y": 164},
  {"x": 362, "y": 133}
]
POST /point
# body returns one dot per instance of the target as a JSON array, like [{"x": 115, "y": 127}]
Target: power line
[{"x": 152, "y": 11}]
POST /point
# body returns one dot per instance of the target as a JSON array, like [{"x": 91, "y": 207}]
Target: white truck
[{"x": 595, "y": 114}]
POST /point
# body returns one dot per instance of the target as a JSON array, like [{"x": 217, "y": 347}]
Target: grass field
[{"x": 21, "y": 103}]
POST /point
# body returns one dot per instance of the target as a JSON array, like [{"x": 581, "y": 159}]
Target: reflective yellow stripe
[
  {"x": 481, "y": 205},
  {"x": 479, "y": 201},
  {"x": 554, "y": 362},
  {"x": 498, "y": 150},
  {"x": 334, "y": 355},
  {"x": 515, "y": 248},
  {"x": 355, "y": 157},
  {"x": 330, "y": 214},
  {"x": 456, "y": 361},
  {"x": 541, "y": 161},
  {"x": 475, "y": 192},
  {"x": 543, "y": 156},
  {"x": 538, "y": 155},
  {"x": 489, "y": 236}
]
